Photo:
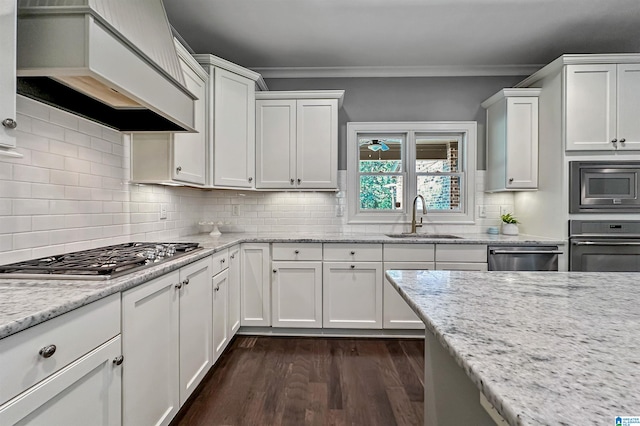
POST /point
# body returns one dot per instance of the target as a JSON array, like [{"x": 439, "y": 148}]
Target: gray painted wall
[{"x": 406, "y": 99}]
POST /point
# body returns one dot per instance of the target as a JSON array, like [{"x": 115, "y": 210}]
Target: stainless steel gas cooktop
[{"x": 99, "y": 263}]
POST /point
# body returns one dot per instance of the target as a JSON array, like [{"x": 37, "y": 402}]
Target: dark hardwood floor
[{"x": 312, "y": 381}]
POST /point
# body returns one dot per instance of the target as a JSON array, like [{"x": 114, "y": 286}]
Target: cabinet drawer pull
[
  {"x": 186, "y": 282},
  {"x": 223, "y": 260},
  {"x": 233, "y": 256},
  {"x": 297, "y": 251},
  {"x": 353, "y": 266},
  {"x": 275, "y": 270},
  {"x": 217, "y": 288},
  {"x": 299, "y": 181},
  {"x": 178, "y": 286},
  {"x": 353, "y": 252},
  {"x": 623, "y": 140},
  {"x": 48, "y": 351},
  {"x": 178, "y": 169},
  {"x": 9, "y": 123},
  {"x": 614, "y": 140},
  {"x": 510, "y": 180},
  {"x": 250, "y": 179},
  {"x": 118, "y": 360},
  {"x": 292, "y": 181}
]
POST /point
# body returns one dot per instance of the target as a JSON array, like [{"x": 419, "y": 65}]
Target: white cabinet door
[
  {"x": 352, "y": 295},
  {"x": 461, "y": 266},
  {"x": 220, "y": 285},
  {"x": 590, "y": 106},
  {"x": 522, "y": 143},
  {"x": 255, "y": 288},
  {"x": 317, "y": 143},
  {"x": 196, "y": 355},
  {"x": 86, "y": 392},
  {"x": 234, "y": 130},
  {"x": 275, "y": 143},
  {"x": 150, "y": 388},
  {"x": 234, "y": 290},
  {"x": 628, "y": 106},
  {"x": 8, "y": 73},
  {"x": 296, "y": 294},
  {"x": 397, "y": 314},
  {"x": 189, "y": 149}
]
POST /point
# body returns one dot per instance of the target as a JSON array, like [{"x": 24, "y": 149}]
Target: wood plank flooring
[{"x": 312, "y": 381}]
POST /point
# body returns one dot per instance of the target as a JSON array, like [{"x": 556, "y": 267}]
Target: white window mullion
[{"x": 410, "y": 186}]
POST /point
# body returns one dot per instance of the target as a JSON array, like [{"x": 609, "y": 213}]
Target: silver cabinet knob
[
  {"x": 178, "y": 286},
  {"x": 233, "y": 256},
  {"x": 510, "y": 180},
  {"x": 623, "y": 140},
  {"x": 178, "y": 169},
  {"x": 614, "y": 140},
  {"x": 250, "y": 179},
  {"x": 9, "y": 123},
  {"x": 275, "y": 270},
  {"x": 297, "y": 251},
  {"x": 118, "y": 360},
  {"x": 292, "y": 181},
  {"x": 48, "y": 351},
  {"x": 353, "y": 266},
  {"x": 353, "y": 252},
  {"x": 217, "y": 288},
  {"x": 299, "y": 181},
  {"x": 223, "y": 260},
  {"x": 186, "y": 282}
]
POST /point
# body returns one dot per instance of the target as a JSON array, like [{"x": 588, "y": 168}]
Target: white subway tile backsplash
[
  {"x": 90, "y": 128},
  {"x": 28, "y": 174},
  {"x": 11, "y": 224},
  {"x": 11, "y": 189},
  {"x": 64, "y": 178},
  {"x": 77, "y": 165},
  {"x": 30, "y": 141},
  {"x": 5, "y": 207},
  {"x": 63, "y": 148},
  {"x": 47, "y": 191},
  {"x": 6, "y": 171},
  {"x": 47, "y": 160},
  {"x": 101, "y": 145},
  {"x": 48, "y": 222},
  {"x": 30, "y": 240},
  {"x": 32, "y": 108},
  {"x": 48, "y": 130},
  {"x": 77, "y": 193},
  {"x": 63, "y": 119},
  {"x": 81, "y": 140}
]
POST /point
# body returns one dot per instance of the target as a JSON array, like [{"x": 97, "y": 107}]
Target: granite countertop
[
  {"x": 27, "y": 302},
  {"x": 544, "y": 347}
]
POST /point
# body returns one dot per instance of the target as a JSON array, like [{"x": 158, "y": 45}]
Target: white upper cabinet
[
  {"x": 175, "y": 157},
  {"x": 297, "y": 139},
  {"x": 601, "y": 106},
  {"x": 231, "y": 123},
  {"x": 8, "y": 74},
  {"x": 512, "y": 140}
]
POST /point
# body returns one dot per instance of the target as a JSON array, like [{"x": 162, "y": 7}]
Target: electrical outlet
[
  {"x": 163, "y": 211},
  {"x": 235, "y": 210},
  {"x": 482, "y": 211}
]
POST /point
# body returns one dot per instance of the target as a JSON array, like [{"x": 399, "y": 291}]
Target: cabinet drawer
[
  {"x": 461, "y": 253},
  {"x": 409, "y": 252},
  {"x": 353, "y": 252},
  {"x": 73, "y": 334},
  {"x": 220, "y": 261},
  {"x": 297, "y": 251}
]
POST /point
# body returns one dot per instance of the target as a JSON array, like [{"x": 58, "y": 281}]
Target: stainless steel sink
[{"x": 428, "y": 236}]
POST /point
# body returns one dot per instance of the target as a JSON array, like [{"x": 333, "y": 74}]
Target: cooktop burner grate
[{"x": 102, "y": 262}]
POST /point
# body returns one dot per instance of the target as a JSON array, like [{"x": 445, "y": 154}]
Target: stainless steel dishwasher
[{"x": 523, "y": 258}]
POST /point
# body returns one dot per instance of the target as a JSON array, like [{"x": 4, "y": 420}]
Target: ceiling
[{"x": 287, "y": 38}]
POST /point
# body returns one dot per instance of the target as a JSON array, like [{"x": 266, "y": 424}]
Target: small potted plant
[{"x": 509, "y": 224}]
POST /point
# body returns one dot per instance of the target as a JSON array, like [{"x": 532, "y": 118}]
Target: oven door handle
[
  {"x": 606, "y": 243},
  {"x": 525, "y": 252}
]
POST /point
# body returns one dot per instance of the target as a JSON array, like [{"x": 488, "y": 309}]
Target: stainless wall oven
[
  {"x": 604, "y": 246},
  {"x": 604, "y": 186}
]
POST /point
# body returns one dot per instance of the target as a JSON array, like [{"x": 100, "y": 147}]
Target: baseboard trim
[{"x": 324, "y": 332}]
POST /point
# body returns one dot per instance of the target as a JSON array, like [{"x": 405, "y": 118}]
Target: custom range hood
[{"x": 111, "y": 61}]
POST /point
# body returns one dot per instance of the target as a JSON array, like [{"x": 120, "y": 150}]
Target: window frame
[{"x": 466, "y": 130}]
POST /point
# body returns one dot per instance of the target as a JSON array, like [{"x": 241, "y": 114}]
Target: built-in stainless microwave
[{"x": 604, "y": 186}]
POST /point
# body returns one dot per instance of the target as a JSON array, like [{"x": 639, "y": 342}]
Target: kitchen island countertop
[
  {"x": 27, "y": 302},
  {"x": 543, "y": 347}
]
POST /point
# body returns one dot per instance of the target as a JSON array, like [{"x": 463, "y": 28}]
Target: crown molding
[{"x": 392, "y": 71}]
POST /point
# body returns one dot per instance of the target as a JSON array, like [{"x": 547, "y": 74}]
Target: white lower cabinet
[
  {"x": 234, "y": 290},
  {"x": 352, "y": 295},
  {"x": 397, "y": 314},
  {"x": 65, "y": 371},
  {"x": 166, "y": 339},
  {"x": 88, "y": 391},
  {"x": 255, "y": 288},
  {"x": 461, "y": 257},
  {"x": 296, "y": 296},
  {"x": 220, "y": 285}
]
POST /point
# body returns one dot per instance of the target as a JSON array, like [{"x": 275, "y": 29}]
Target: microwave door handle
[
  {"x": 605, "y": 243},
  {"x": 526, "y": 252}
]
